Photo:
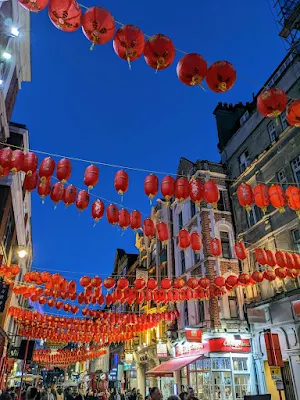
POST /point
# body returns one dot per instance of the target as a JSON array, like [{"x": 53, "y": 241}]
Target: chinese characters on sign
[
  {"x": 161, "y": 350},
  {"x": 3, "y": 295}
]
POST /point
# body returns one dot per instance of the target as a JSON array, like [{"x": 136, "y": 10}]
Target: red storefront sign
[
  {"x": 273, "y": 349},
  {"x": 229, "y": 345},
  {"x": 189, "y": 349},
  {"x": 193, "y": 335}
]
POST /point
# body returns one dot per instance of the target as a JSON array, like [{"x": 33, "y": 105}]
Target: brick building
[{"x": 257, "y": 149}]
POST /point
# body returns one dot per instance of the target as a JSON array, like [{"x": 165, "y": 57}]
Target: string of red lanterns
[{"x": 63, "y": 357}]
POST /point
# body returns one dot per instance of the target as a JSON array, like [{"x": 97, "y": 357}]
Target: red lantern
[
  {"x": 211, "y": 193},
  {"x": 33, "y": 5},
  {"x": 91, "y": 176},
  {"x": 85, "y": 281},
  {"x": 293, "y": 113},
  {"x": 129, "y": 42},
  {"x": 196, "y": 241},
  {"x": 216, "y": 247},
  {"x": 232, "y": 280},
  {"x": 261, "y": 196},
  {"x": 184, "y": 239},
  {"x": 65, "y": 14},
  {"x": 293, "y": 198},
  {"x": 245, "y": 196},
  {"x": 159, "y": 51},
  {"x": 240, "y": 250},
  {"x": 46, "y": 168},
  {"x": 182, "y": 189},
  {"x": 72, "y": 287},
  {"x": 290, "y": 263},
  {"x": 271, "y": 102},
  {"x": 135, "y": 220},
  {"x": 151, "y": 186},
  {"x": 280, "y": 273},
  {"x": 221, "y": 76},
  {"x": 30, "y": 182},
  {"x": 67, "y": 307},
  {"x": 244, "y": 279},
  {"x": 57, "y": 279},
  {"x": 112, "y": 214},
  {"x": 162, "y": 232},
  {"x": 124, "y": 219},
  {"x": 269, "y": 275},
  {"x": 139, "y": 283},
  {"x": 167, "y": 187},
  {"x": 4, "y": 171},
  {"x": 98, "y": 25},
  {"x": 166, "y": 284},
  {"x": 70, "y": 195},
  {"x": 277, "y": 197},
  {"x": 63, "y": 170},
  {"x": 121, "y": 182},
  {"x": 280, "y": 258},
  {"x": 192, "y": 283},
  {"x": 57, "y": 192},
  {"x": 30, "y": 163},
  {"x": 96, "y": 282},
  {"x": 17, "y": 161},
  {"x": 152, "y": 284},
  {"x": 219, "y": 281},
  {"x": 196, "y": 190},
  {"x": 51, "y": 303},
  {"x": 123, "y": 283},
  {"x": 271, "y": 260},
  {"x": 191, "y": 69},
  {"x": 44, "y": 188},
  {"x": 257, "y": 276},
  {"x": 109, "y": 283},
  {"x": 82, "y": 200},
  {"x": 97, "y": 210},
  {"x": 149, "y": 228},
  {"x": 296, "y": 258},
  {"x": 5, "y": 157},
  {"x": 204, "y": 283},
  {"x": 261, "y": 256},
  {"x": 59, "y": 305}
]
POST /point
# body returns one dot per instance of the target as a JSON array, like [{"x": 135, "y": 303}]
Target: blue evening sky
[{"x": 88, "y": 104}]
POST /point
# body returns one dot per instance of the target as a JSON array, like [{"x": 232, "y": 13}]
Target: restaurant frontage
[{"x": 218, "y": 368}]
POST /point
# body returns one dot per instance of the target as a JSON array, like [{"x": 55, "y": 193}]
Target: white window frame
[
  {"x": 295, "y": 240},
  {"x": 284, "y": 123},
  {"x": 244, "y": 160},
  {"x": 272, "y": 131},
  {"x": 295, "y": 164}
]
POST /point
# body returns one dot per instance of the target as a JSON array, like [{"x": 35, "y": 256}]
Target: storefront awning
[{"x": 168, "y": 367}]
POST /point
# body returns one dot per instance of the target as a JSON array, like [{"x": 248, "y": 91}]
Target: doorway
[{"x": 288, "y": 381}]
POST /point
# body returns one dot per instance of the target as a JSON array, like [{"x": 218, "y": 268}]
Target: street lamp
[{"x": 22, "y": 252}]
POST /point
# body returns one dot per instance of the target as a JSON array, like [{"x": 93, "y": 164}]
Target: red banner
[
  {"x": 193, "y": 335},
  {"x": 229, "y": 345}
]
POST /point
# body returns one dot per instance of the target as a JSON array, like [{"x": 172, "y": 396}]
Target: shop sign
[
  {"x": 279, "y": 384},
  {"x": 129, "y": 358},
  {"x": 276, "y": 373},
  {"x": 258, "y": 316},
  {"x": 188, "y": 349},
  {"x": 14, "y": 352},
  {"x": 193, "y": 335},
  {"x": 161, "y": 350},
  {"x": 296, "y": 309},
  {"x": 3, "y": 295},
  {"x": 229, "y": 345}
]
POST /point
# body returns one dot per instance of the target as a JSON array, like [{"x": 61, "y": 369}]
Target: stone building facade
[{"x": 256, "y": 150}]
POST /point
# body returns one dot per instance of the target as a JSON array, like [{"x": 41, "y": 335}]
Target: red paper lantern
[
  {"x": 192, "y": 283},
  {"x": 151, "y": 186},
  {"x": 245, "y": 196},
  {"x": 166, "y": 284},
  {"x": 67, "y": 307},
  {"x": 232, "y": 280},
  {"x": 261, "y": 256},
  {"x": 211, "y": 193},
  {"x": 261, "y": 196},
  {"x": 191, "y": 69},
  {"x": 182, "y": 189},
  {"x": 59, "y": 305},
  {"x": 216, "y": 247},
  {"x": 129, "y": 42},
  {"x": 135, "y": 220},
  {"x": 46, "y": 168},
  {"x": 63, "y": 170},
  {"x": 296, "y": 258},
  {"x": 196, "y": 190},
  {"x": 139, "y": 283},
  {"x": 4, "y": 171},
  {"x": 184, "y": 239},
  {"x": 121, "y": 182},
  {"x": 152, "y": 284},
  {"x": 179, "y": 283},
  {"x": 17, "y": 161},
  {"x": 65, "y": 14},
  {"x": 123, "y": 283},
  {"x": 85, "y": 281},
  {"x": 149, "y": 228},
  {"x": 112, "y": 214},
  {"x": 109, "y": 283},
  {"x": 72, "y": 287},
  {"x": 30, "y": 163},
  {"x": 5, "y": 157},
  {"x": 271, "y": 260},
  {"x": 57, "y": 279},
  {"x": 293, "y": 113},
  {"x": 293, "y": 198},
  {"x": 167, "y": 187},
  {"x": 277, "y": 197},
  {"x": 91, "y": 176},
  {"x": 280, "y": 259},
  {"x": 159, "y": 51},
  {"x": 97, "y": 210},
  {"x": 98, "y": 25},
  {"x": 162, "y": 232},
  {"x": 51, "y": 303},
  {"x": 44, "y": 188},
  {"x": 244, "y": 279},
  {"x": 271, "y": 102},
  {"x": 240, "y": 250},
  {"x": 96, "y": 282},
  {"x": 269, "y": 275},
  {"x": 57, "y": 192},
  {"x": 204, "y": 283},
  {"x": 30, "y": 182},
  {"x": 280, "y": 273},
  {"x": 34, "y": 5},
  {"x": 70, "y": 195},
  {"x": 219, "y": 281},
  {"x": 290, "y": 263},
  {"x": 196, "y": 241},
  {"x": 82, "y": 201},
  {"x": 124, "y": 219},
  {"x": 257, "y": 276},
  {"x": 221, "y": 76}
]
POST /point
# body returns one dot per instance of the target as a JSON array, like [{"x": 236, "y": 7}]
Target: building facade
[{"x": 256, "y": 150}]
